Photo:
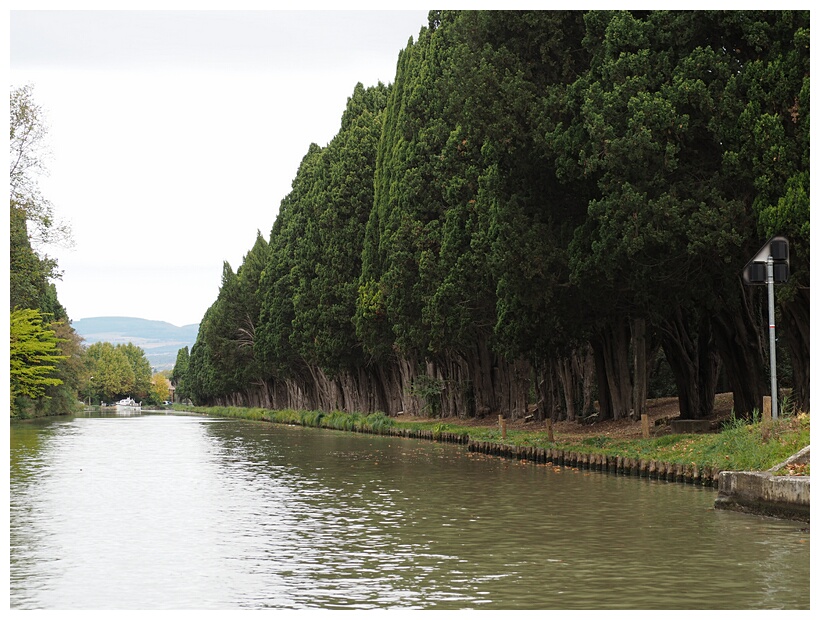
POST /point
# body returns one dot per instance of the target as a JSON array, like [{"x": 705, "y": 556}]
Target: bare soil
[{"x": 660, "y": 411}]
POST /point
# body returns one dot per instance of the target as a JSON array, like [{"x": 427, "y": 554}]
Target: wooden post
[
  {"x": 767, "y": 409},
  {"x": 550, "y": 436},
  {"x": 502, "y": 423},
  {"x": 766, "y": 422},
  {"x": 645, "y": 425}
]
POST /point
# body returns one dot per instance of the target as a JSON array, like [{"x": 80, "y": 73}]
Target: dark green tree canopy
[{"x": 540, "y": 201}]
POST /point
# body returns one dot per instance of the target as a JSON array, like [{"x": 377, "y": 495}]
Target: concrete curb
[{"x": 763, "y": 493}]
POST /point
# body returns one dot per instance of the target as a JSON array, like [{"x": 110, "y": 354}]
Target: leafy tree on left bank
[
  {"x": 33, "y": 354},
  {"x": 37, "y": 317},
  {"x": 27, "y": 147},
  {"x": 63, "y": 398},
  {"x": 32, "y": 223}
]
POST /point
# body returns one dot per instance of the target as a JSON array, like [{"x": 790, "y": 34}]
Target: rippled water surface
[{"x": 185, "y": 512}]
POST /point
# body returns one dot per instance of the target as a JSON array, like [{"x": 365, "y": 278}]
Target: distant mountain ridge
[{"x": 161, "y": 341}]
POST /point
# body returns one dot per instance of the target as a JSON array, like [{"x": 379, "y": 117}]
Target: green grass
[
  {"x": 740, "y": 446},
  {"x": 338, "y": 420}
]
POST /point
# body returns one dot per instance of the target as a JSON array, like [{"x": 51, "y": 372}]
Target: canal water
[{"x": 186, "y": 512}]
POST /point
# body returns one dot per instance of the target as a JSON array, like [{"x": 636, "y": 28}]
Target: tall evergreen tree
[
  {"x": 539, "y": 199},
  {"x": 661, "y": 112},
  {"x": 179, "y": 375}
]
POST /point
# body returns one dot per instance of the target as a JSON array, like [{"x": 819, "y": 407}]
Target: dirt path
[{"x": 659, "y": 410}]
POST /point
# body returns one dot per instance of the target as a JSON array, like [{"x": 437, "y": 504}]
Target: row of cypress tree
[{"x": 540, "y": 205}]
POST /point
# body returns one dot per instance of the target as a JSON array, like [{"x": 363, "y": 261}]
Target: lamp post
[
  {"x": 772, "y": 339},
  {"x": 90, "y": 379}
]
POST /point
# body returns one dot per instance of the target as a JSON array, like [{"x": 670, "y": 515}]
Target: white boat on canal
[{"x": 128, "y": 404}]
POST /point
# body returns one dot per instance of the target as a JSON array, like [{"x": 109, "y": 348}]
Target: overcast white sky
[{"x": 174, "y": 135}]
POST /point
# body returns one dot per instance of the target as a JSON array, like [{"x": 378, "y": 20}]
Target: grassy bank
[
  {"x": 337, "y": 420},
  {"x": 740, "y": 446}
]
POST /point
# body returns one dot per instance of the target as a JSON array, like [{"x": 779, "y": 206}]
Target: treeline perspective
[{"x": 542, "y": 212}]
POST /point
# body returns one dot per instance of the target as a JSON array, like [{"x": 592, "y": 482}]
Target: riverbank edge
[
  {"x": 768, "y": 494},
  {"x": 761, "y": 493}
]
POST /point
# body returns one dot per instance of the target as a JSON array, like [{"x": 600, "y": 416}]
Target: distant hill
[{"x": 161, "y": 341}]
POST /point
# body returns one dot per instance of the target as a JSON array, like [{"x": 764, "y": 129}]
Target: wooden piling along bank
[{"x": 655, "y": 470}]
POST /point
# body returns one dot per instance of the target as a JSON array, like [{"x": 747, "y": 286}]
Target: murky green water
[{"x": 184, "y": 512}]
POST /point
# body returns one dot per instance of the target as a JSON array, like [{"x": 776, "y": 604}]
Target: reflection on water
[{"x": 185, "y": 512}]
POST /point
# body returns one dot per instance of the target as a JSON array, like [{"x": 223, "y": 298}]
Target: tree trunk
[
  {"x": 565, "y": 375},
  {"x": 605, "y": 411},
  {"x": 694, "y": 363},
  {"x": 483, "y": 373},
  {"x": 576, "y": 377},
  {"x": 586, "y": 368},
  {"x": 612, "y": 360},
  {"x": 514, "y": 387},
  {"x": 795, "y": 314},
  {"x": 546, "y": 391},
  {"x": 640, "y": 368},
  {"x": 455, "y": 371},
  {"x": 740, "y": 337}
]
